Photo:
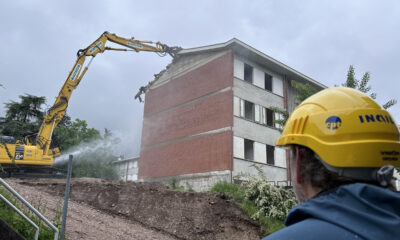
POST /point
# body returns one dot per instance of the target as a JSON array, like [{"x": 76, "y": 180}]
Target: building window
[
  {"x": 248, "y": 73},
  {"x": 257, "y": 113},
  {"x": 268, "y": 82},
  {"x": 270, "y": 117},
  {"x": 270, "y": 155},
  {"x": 263, "y": 116},
  {"x": 278, "y": 116},
  {"x": 248, "y": 149},
  {"x": 249, "y": 110}
]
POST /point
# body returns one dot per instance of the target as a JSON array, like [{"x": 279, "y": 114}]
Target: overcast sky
[{"x": 39, "y": 41}]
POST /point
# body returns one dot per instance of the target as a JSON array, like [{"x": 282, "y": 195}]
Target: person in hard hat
[{"x": 343, "y": 149}]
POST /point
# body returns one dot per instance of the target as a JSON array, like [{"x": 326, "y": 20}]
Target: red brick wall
[
  {"x": 201, "y": 116},
  {"x": 211, "y": 152},
  {"x": 208, "y": 78},
  {"x": 206, "y": 153}
]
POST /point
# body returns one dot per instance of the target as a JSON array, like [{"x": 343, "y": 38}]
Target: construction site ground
[{"x": 101, "y": 209}]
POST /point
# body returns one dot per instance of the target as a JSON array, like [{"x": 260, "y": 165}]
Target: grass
[
  {"x": 237, "y": 193},
  {"x": 19, "y": 224}
]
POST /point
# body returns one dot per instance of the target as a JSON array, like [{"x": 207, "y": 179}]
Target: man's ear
[{"x": 299, "y": 176}]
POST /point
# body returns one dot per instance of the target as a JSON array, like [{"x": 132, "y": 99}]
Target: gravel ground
[{"x": 83, "y": 221}]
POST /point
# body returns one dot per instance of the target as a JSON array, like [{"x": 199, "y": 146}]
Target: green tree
[
  {"x": 303, "y": 91},
  {"x": 27, "y": 110},
  {"x": 362, "y": 85},
  {"x": 72, "y": 133},
  {"x": 23, "y": 116}
]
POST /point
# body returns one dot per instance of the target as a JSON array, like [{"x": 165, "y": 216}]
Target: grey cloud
[{"x": 317, "y": 38}]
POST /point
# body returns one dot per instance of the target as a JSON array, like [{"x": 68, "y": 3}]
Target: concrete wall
[
  {"x": 254, "y": 131},
  {"x": 127, "y": 169},
  {"x": 258, "y": 75},
  {"x": 199, "y": 181},
  {"x": 254, "y": 94},
  {"x": 273, "y": 173},
  {"x": 187, "y": 125}
]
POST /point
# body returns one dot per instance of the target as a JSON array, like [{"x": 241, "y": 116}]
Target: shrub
[{"x": 271, "y": 201}]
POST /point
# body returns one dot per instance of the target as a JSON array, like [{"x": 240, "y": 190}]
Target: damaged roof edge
[
  {"x": 236, "y": 45},
  {"x": 235, "y": 41}
]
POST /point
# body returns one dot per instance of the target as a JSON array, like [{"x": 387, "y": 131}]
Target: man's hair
[{"x": 315, "y": 172}]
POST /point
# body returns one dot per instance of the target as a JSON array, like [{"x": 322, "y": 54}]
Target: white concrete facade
[
  {"x": 127, "y": 168},
  {"x": 268, "y": 88},
  {"x": 257, "y": 135}
]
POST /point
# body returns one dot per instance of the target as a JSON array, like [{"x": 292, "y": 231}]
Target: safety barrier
[{"x": 37, "y": 213}]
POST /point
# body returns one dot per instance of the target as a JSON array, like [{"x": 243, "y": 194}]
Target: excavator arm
[{"x": 57, "y": 111}]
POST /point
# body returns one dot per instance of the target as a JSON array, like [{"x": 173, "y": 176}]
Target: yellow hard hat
[{"x": 345, "y": 128}]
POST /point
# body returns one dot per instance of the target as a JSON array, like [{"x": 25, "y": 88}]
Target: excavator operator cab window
[{"x": 7, "y": 139}]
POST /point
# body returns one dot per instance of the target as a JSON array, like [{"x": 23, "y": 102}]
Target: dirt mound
[{"x": 185, "y": 215}]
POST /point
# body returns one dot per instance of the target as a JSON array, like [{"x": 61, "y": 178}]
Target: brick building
[{"x": 208, "y": 117}]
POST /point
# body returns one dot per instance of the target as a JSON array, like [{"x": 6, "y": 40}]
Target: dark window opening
[
  {"x": 270, "y": 155},
  {"x": 248, "y": 149},
  {"x": 249, "y": 110},
  {"x": 248, "y": 73},
  {"x": 270, "y": 117},
  {"x": 268, "y": 82}
]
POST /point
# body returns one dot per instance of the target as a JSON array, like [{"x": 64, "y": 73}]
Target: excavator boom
[{"x": 41, "y": 144}]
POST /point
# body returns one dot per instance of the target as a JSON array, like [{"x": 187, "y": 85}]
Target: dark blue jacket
[{"x": 355, "y": 211}]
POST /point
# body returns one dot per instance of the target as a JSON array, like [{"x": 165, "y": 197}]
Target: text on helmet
[{"x": 367, "y": 118}]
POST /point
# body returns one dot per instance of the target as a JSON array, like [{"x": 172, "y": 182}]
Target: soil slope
[{"x": 159, "y": 210}]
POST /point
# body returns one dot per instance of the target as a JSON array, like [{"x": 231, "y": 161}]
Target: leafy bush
[
  {"x": 237, "y": 192},
  {"x": 262, "y": 201},
  {"x": 271, "y": 201}
]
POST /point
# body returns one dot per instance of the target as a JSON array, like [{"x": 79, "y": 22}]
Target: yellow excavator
[{"x": 36, "y": 150}]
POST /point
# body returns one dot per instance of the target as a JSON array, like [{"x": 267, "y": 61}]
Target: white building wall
[
  {"x": 260, "y": 134},
  {"x": 273, "y": 173},
  {"x": 256, "y": 95},
  {"x": 127, "y": 169},
  {"x": 259, "y": 75},
  {"x": 253, "y": 131}
]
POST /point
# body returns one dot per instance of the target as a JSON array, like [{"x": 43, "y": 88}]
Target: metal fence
[{"x": 36, "y": 212}]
